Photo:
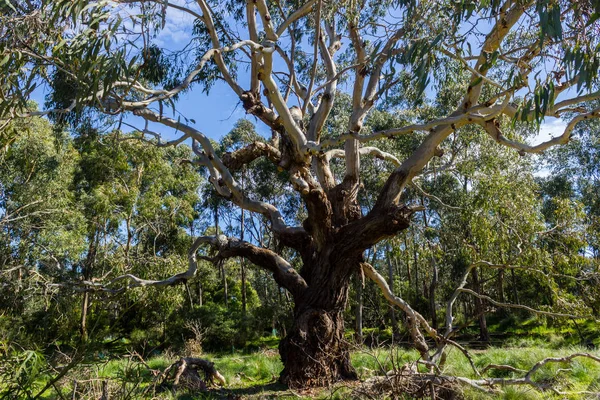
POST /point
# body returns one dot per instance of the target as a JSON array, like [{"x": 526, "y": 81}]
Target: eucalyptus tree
[
  {"x": 524, "y": 60},
  {"x": 575, "y": 174},
  {"x": 76, "y": 209},
  {"x": 571, "y": 207},
  {"x": 137, "y": 200},
  {"x": 40, "y": 224}
]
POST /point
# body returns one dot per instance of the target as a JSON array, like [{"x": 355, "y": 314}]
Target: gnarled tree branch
[{"x": 283, "y": 273}]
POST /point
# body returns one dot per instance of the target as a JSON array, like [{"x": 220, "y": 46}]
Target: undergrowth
[{"x": 255, "y": 375}]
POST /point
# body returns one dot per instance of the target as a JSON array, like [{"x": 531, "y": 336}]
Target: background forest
[{"x": 95, "y": 205}]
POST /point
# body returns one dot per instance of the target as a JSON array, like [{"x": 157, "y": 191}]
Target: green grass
[
  {"x": 254, "y": 375},
  {"x": 242, "y": 370},
  {"x": 580, "y": 375},
  {"x": 538, "y": 331}
]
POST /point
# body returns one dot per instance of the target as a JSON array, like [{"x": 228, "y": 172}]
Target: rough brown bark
[
  {"x": 331, "y": 244},
  {"x": 315, "y": 353}
]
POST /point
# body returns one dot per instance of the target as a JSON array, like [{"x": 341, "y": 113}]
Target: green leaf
[
  {"x": 60, "y": 44},
  {"x": 7, "y": 2},
  {"x": 5, "y": 60}
]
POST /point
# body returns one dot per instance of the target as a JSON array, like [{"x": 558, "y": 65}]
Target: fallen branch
[
  {"x": 415, "y": 383},
  {"x": 185, "y": 373},
  {"x": 518, "y": 306}
]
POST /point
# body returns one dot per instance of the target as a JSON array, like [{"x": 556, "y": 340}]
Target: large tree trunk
[
  {"x": 315, "y": 352},
  {"x": 332, "y": 245}
]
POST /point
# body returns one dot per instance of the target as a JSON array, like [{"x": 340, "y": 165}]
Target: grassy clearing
[
  {"x": 580, "y": 375},
  {"x": 254, "y": 375}
]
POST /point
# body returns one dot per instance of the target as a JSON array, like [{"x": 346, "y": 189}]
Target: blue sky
[{"x": 216, "y": 113}]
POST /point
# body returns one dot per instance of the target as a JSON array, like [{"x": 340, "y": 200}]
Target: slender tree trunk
[
  {"x": 416, "y": 273},
  {"x": 434, "y": 275},
  {"x": 200, "y": 293},
  {"x": 242, "y": 263},
  {"x": 221, "y": 266},
  {"x": 501, "y": 296},
  {"x": 358, "y": 320},
  {"x": 408, "y": 274},
  {"x": 393, "y": 320},
  {"x": 244, "y": 298},
  {"x": 129, "y": 237},
  {"x": 216, "y": 216},
  {"x": 87, "y": 274},
  {"x": 484, "y": 334},
  {"x": 83, "y": 322},
  {"x": 224, "y": 279},
  {"x": 500, "y": 282},
  {"x": 432, "y": 287},
  {"x": 514, "y": 287},
  {"x": 189, "y": 294}
]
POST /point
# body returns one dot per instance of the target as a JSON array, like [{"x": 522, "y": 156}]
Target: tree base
[{"x": 315, "y": 353}]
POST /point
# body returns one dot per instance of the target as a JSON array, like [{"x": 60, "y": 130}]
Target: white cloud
[
  {"x": 174, "y": 34},
  {"x": 549, "y": 130},
  {"x": 178, "y": 25}
]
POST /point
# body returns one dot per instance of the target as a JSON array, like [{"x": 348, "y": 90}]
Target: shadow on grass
[{"x": 263, "y": 391}]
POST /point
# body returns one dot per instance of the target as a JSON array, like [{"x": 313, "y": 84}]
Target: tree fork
[{"x": 315, "y": 352}]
